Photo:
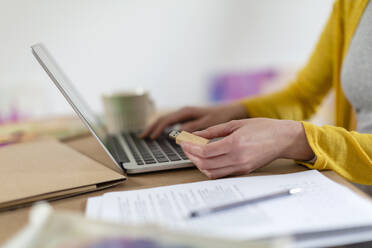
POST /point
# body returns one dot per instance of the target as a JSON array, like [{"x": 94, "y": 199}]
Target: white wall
[{"x": 169, "y": 47}]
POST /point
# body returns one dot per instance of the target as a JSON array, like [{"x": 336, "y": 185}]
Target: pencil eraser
[{"x": 184, "y": 136}]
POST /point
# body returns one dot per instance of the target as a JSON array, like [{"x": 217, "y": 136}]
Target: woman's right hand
[{"x": 197, "y": 118}]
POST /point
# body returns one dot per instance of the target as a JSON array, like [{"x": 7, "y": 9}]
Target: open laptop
[{"x": 127, "y": 150}]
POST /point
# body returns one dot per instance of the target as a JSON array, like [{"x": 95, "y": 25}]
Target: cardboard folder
[{"x": 48, "y": 170}]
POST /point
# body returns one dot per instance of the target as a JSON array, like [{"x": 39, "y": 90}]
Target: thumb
[{"x": 220, "y": 130}]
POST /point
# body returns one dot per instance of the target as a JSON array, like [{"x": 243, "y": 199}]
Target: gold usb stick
[{"x": 188, "y": 137}]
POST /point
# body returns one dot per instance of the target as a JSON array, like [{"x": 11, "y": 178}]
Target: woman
[{"x": 342, "y": 60}]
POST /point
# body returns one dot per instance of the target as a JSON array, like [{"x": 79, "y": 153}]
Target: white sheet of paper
[
  {"x": 322, "y": 205},
  {"x": 93, "y": 209}
]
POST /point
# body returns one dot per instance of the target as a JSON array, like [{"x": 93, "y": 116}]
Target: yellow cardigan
[{"x": 337, "y": 147}]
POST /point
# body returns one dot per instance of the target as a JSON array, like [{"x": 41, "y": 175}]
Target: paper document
[{"x": 323, "y": 205}]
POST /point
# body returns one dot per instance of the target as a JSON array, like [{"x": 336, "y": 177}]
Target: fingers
[
  {"x": 219, "y": 130},
  {"x": 214, "y": 168},
  {"x": 213, "y": 149},
  {"x": 210, "y": 163},
  {"x": 221, "y": 172},
  {"x": 157, "y": 127},
  {"x": 226, "y": 171},
  {"x": 199, "y": 124},
  {"x": 149, "y": 129}
]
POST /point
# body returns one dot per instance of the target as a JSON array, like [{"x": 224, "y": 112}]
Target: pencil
[{"x": 228, "y": 206}]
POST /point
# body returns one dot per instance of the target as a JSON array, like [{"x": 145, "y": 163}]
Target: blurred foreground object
[{"x": 51, "y": 229}]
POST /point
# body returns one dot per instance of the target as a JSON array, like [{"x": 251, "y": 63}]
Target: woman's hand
[
  {"x": 248, "y": 145},
  {"x": 196, "y": 118}
]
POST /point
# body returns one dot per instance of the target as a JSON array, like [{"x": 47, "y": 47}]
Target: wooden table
[{"x": 12, "y": 221}]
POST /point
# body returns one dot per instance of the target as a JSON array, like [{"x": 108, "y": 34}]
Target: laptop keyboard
[
  {"x": 117, "y": 149},
  {"x": 147, "y": 151},
  {"x": 178, "y": 150},
  {"x": 168, "y": 151}
]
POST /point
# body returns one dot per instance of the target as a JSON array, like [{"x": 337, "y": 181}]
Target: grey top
[{"x": 356, "y": 75}]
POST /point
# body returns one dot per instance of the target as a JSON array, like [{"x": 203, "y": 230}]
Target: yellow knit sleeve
[
  {"x": 301, "y": 98},
  {"x": 348, "y": 153}
]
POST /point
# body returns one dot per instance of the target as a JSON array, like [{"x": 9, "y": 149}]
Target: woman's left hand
[{"x": 248, "y": 145}]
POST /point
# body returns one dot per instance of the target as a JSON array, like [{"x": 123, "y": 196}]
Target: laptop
[{"x": 129, "y": 152}]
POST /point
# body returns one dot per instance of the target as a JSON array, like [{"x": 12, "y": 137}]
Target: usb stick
[{"x": 188, "y": 137}]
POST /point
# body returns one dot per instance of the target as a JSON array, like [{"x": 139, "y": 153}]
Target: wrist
[
  {"x": 296, "y": 145},
  {"x": 239, "y": 110}
]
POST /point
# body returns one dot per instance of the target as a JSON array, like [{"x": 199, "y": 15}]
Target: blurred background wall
[{"x": 175, "y": 49}]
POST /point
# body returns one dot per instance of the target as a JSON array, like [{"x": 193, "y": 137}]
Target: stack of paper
[{"x": 323, "y": 205}]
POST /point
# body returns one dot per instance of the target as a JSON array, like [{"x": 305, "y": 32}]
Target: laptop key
[
  {"x": 166, "y": 149},
  {"x": 178, "y": 150},
  {"x": 134, "y": 152},
  {"x": 174, "y": 157},
  {"x": 155, "y": 150},
  {"x": 147, "y": 157},
  {"x": 162, "y": 160}
]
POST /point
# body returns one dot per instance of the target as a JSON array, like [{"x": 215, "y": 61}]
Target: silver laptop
[{"x": 127, "y": 150}]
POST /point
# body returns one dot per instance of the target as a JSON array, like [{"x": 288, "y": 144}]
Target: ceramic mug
[{"x": 127, "y": 111}]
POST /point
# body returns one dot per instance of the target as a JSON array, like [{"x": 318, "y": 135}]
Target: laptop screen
[{"x": 69, "y": 92}]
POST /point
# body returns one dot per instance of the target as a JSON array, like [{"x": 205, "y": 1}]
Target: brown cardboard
[{"x": 48, "y": 170}]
